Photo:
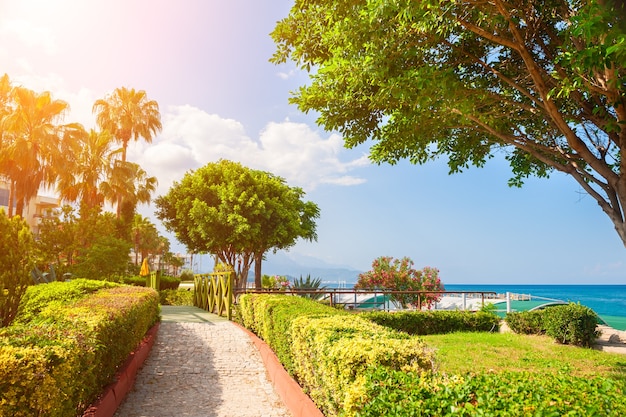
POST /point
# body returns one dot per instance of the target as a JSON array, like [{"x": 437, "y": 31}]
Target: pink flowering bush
[{"x": 392, "y": 274}]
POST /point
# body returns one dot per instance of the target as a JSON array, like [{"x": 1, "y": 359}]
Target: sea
[{"x": 608, "y": 301}]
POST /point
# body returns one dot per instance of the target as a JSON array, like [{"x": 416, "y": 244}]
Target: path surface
[{"x": 201, "y": 365}]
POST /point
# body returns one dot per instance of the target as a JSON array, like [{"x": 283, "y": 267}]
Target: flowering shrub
[
  {"x": 275, "y": 282},
  {"x": 392, "y": 274}
]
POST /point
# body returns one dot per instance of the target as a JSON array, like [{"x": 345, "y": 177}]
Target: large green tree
[
  {"x": 237, "y": 214},
  {"x": 542, "y": 81}
]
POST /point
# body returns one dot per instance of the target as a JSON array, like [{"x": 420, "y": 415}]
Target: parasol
[{"x": 145, "y": 270}]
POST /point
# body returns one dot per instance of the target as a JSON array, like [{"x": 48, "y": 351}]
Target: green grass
[{"x": 458, "y": 353}]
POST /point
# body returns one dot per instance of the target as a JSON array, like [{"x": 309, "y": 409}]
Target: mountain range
[{"x": 296, "y": 265}]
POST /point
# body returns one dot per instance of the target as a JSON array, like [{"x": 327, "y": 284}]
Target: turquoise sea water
[
  {"x": 603, "y": 299},
  {"x": 606, "y": 300}
]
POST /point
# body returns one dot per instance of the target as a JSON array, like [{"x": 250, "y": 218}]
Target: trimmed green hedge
[
  {"x": 56, "y": 362},
  {"x": 513, "y": 394},
  {"x": 166, "y": 282},
  {"x": 179, "y": 297},
  {"x": 435, "y": 322},
  {"x": 570, "y": 324},
  {"x": 326, "y": 350}
]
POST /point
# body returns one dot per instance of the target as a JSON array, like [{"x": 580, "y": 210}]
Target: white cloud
[
  {"x": 286, "y": 75},
  {"x": 192, "y": 138},
  {"x": 30, "y": 35}
]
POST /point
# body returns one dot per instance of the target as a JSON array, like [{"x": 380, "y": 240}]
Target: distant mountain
[{"x": 295, "y": 265}]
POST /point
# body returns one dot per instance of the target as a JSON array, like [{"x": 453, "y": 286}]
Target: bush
[
  {"x": 393, "y": 393},
  {"x": 16, "y": 245},
  {"x": 526, "y": 322},
  {"x": 186, "y": 275},
  {"x": 180, "y": 297},
  {"x": 435, "y": 322},
  {"x": 55, "y": 295},
  {"x": 55, "y": 363},
  {"x": 168, "y": 282},
  {"x": 568, "y": 324},
  {"x": 326, "y": 350},
  {"x": 571, "y": 324}
]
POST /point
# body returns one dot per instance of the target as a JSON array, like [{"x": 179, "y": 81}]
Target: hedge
[
  {"x": 572, "y": 323},
  {"x": 166, "y": 282},
  {"x": 435, "y": 322},
  {"x": 329, "y": 351},
  {"x": 402, "y": 394},
  {"x": 57, "y": 362}
]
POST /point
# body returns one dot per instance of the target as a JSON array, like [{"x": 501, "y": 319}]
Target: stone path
[{"x": 201, "y": 365}]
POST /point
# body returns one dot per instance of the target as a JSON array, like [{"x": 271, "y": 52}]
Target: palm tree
[
  {"x": 90, "y": 155},
  {"x": 128, "y": 114},
  {"x": 31, "y": 139},
  {"x": 128, "y": 184},
  {"x": 5, "y": 108}
]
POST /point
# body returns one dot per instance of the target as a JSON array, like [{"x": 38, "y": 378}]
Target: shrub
[
  {"x": 56, "y": 294},
  {"x": 186, "y": 275},
  {"x": 435, "y": 322},
  {"x": 16, "y": 245},
  {"x": 571, "y": 324},
  {"x": 393, "y": 393},
  {"x": 327, "y": 350},
  {"x": 568, "y": 324},
  {"x": 526, "y": 322},
  {"x": 309, "y": 284},
  {"x": 180, "y": 297},
  {"x": 168, "y": 282},
  {"x": 55, "y": 363},
  {"x": 399, "y": 275}
]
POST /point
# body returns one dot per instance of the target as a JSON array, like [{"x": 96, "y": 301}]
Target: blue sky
[{"x": 206, "y": 63}]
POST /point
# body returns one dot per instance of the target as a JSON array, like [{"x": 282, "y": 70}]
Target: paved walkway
[{"x": 201, "y": 365}]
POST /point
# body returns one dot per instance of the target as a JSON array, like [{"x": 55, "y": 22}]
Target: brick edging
[
  {"x": 114, "y": 393},
  {"x": 286, "y": 387}
]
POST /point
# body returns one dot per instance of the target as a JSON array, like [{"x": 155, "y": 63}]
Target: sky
[{"x": 206, "y": 63}]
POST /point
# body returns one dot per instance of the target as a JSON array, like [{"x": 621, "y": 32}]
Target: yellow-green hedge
[
  {"x": 57, "y": 363},
  {"x": 329, "y": 351}
]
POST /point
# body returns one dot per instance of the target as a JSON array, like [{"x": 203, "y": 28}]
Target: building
[{"x": 36, "y": 209}]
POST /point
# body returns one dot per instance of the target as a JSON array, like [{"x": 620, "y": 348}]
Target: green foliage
[
  {"x": 326, "y": 350},
  {"x": 274, "y": 282},
  {"x": 399, "y": 394},
  {"x": 16, "y": 262},
  {"x": 107, "y": 259},
  {"x": 392, "y": 274},
  {"x": 526, "y": 322},
  {"x": 236, "y": 213},
  {"x": 308, "y": 284},
  {"x": 186, "y": 275},
  {"x": 55, "y": 363},
  {"x": 568, "y": 324},
  {"x": 179, "y": 297},
  {"x": 435, "y": 322},
  {"x": 40, "y": 297},
  {"x": 571, "y": 324},
  {"x": 542, "y": 83}
]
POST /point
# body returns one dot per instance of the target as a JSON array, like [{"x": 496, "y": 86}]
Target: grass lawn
[{"x": 458, "y": 353}]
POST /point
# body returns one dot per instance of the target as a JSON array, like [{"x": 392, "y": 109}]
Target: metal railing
[{"x": 350, "y": 298}]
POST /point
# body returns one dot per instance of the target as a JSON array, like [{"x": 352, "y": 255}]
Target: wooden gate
[{"x": 214, "y": 292}]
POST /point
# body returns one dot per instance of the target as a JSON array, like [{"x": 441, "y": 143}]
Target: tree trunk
[{"x": 258, "y": 259}]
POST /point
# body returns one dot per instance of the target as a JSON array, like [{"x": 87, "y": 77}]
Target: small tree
[
  {"x": 16, "y": 262},
  {"x": 392, "y": 274},
  {"x": 237, "y": 214}
]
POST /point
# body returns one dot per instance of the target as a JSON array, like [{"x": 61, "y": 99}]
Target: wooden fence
[{"x": 214, "y": 292}]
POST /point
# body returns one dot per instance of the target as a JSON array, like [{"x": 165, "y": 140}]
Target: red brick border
[
  {"x": 289, "y": 391},
  {"x": 114, "y": 393}
]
